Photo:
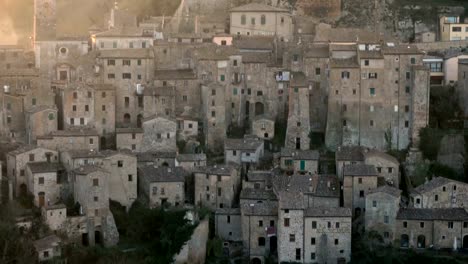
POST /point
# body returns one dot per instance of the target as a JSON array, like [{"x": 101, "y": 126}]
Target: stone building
[
  {"x": 91, "y": 191},
  {"x": 299, "y": 161},
  {"x": 214, "y": 121},
  {"x": 363, "y": 107},
  {"x": 160, "y": 159},
  {"x": 359, "y": 180},
  {"x": 247, "y": 151},
  {"x": 187, "y": 128},
  {"x": 190, "y": 161},
  {"x": 452, "y": 28},
  {"x": 17, "y": 160},
  {"x": 125, "y": 37},
  {"x": 263, "y": 127},
  {"x": 129, "y": 138},
  {"x": 440, "y": 193},
  {"x": 216, "y": 186},
  {"x": 228, "y": 224},
  {"x": 64, "y": 140},
  {"x": 327, "y": 235},
  {"x": 130, "y": 71},
  {"x": 187, "y": 89},
  {"x": 258, "y": 180},
  {"x": 297, "y": 133},
  {"x": 55, "y": 216},
  {"x": 48, "y": 248},
  {"x": 45, "y": 181},
  {"x": 40, "y": 121},
  {"x": 387, "y": 166},
  {"x": 159, "y": 134},
  {"x": 431, "y": 228},
  {"x": 163, "y": 186},
  {"x": 382, "y": 205},
  {"x": 264, "y": 20},
  {"x": 122, "y": 166}
]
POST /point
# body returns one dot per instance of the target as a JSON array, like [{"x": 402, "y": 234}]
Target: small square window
[{"x": 120, "y": 163}]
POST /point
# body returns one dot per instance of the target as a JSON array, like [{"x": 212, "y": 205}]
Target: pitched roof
[
  {"x": 353, "y": 153},
  {"x": 22, "y": 149},
  {"x": 179, "y": 74},
  {"x": 397, "y": 49},
  {"x": 433, "y": 184},
  {"x": 47, "y": 242},
  {"x": 254, "y": 176},
  {"x": 228, "y": 211},
  {"x": 386, "y": 189},
  {"x": 444, "y": 214},
  {"x": 216, "y": 53},
  {"x": 257, "y": 194},
  {"x": 263, "y": 208},
  {"x": 191, "y": 157},
  {"x": 300, "y": 154},
  {"x": 122, "y": 32},
  {"x": 128, "y": 130},
  {"x": 72, "y": 133},
  {"x": 127, "y": 53},
  {"x": 344, "y": 63},
  {"x": 257, "y": 43},
  {"x": 242, "y": 143},
  {"x": 44, "y": 167},
  {"x": 254, "y": 7},
  {"x": 163, "y": 174},
  {"x": 369, "y": 153},
  {"x": 289, "y": 199},
  {"x": 84, "y": 153},
  {"x": 359, "y": 170},
  {"x": 328, "y": 212},
  {"x": 225, "y": 170},
  {"x": 322, "y": 51},
  {"x": 151, "y": 156}
]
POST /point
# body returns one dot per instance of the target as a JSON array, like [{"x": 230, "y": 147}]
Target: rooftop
[
  {"x": 225, "y": 170},
  {"x": 247, "y": 144},
  {"x": 152, "y": 156},
  {"x": 257, "y": 194},
  {"x": 328, "y": 212},
  {"x": 349, "y": 153},
  {"x": 255, "y": 176},
  {"x": 433, "y": 184},
  {"x": 401, "y": 49},
  {"x": 444, "y": 214},
  {"x": 179, "y": 74},
  {"x": 127, "y": 53},
  {"x": 87, "y": 169},
  {"x": 300, "y": 154},
  {"x": 254, "y": 7},
  {"x": 72, "y": 133},
  {"x": 387, "y": 189},
  {"x": 84, "y": 153},
  {"x": 228, "y": 211},
  {"x": 191, "y": 157},
  {"x": 359, "y": 170},
  {"x": 163, "y": 174},
  {"x": 44, "y": 167},
  {"x": 369, "y": 153},
  {"x": 254, "y": 43},
  {"x": 128, "y": 130},
  {"x": 46, "y": 243},
  {"x": 263, "y": 208},
  {"x": 344, "y": 63}
]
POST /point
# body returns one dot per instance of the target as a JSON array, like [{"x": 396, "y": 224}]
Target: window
[
  {"x": 360, "y": 180},
  {"x": 143, "y": 45},
  {"x": 292, "y": 238},
  {"x": 374, "y": 203},
  {"x": 345, "y": 108},
  {"x": 314, "y": 224},
  {"x": 111, "y": 76},
  {"x": 354, "y": 91},
  {"x": 450, "y": 225},
  {"x": 139, "y": 76},
  {"x": 259, "y": 93},
  {"x": 345, "y": 75},
  {"x": 234, "y": 153},
  {"x": 329, "y": 224},
  {"x": 372, "y": 91},
  {"x": 295, "y": 57},
  {"x": 110, "y": 62},
  {"x": 114, "y": 44},
  {"x": 413, "y": 60},
  {"x": 91, "y": 141},
  {"x": 408, "y": 75},
  {"x": 436, "y": 197},
  {"x": 140, "y": 101},
  {"x": 336, "y": 241},
  {"x": 366, "y": 62},
  {"x": 263, "y": 20},
  {"x": 405, "y": 224},
  {"x": 407, "y": 89},
  {"x": 252, "y": 20},
  {"x": 282, "y": 20},
  {"x": 379, "y": 169},
  {"x": 222, "y": 77},
  {"x": 361, "y": 193},
  {"x": 260, "y": 223},
  {"x": 96, "y": 198},
  {"x": 286, "y": 222},
  {"x": 213, "y": 113},
  {"x": 33, "y": 101},
  {"x": 406, "y": 108},
  {"x": 31, "y": 157},
  {"x": 219, "y": 191},
  {"x": 81, "y": 121},
  {"x": 120, "y": 163},
  {"x": 421, "y": 224},
  {"x": 46, "y": 254},
  {"x": 444, "y": 189},
  {"x": 418, "y": 201},
  {"x": 155, "y": 190},
  {"x": 317, "y": 71},
  {"x": 184, "y": 98},
  {"x": 213, "y": 92},
  {"x": 130, "y": 177},
  {"x": 386, "y": 219},
  {"x": 41, "y": 180},
  {"x": 298, "y": 124},
  {"x": 337, "y": 225},
  {"x": 86, "y": 108},
  {"x": 371, "y": 123},
  {"x": 243, "y": 20},
  {"x": 407, "y": 123},
  {"x": 344, "y": 122},
  {"x": 75, "y": 95},
  {"x": 126, "y": 76},
  {"x": 95, "y": 182},
  {"x": 312, "y": 256},
  {"x": 139, "y": 62},
  {"x": 456, "y": 29},
  {"x": 454, "y": 187},
  {"x": 465, "y": 224},
  {"x": 127, "y": 101},
  {"x": 261, "y": 241},
  {"x": 372, "y": 75},
  {"x": 72, "y": 121},
  {"x": 312, "y": 241},
  {"x": 298, "y": 254},
  {"x": 74, "y": 108}
]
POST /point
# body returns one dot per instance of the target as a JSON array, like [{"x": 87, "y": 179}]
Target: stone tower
[
  {"x": 297, "y": 133},
  {"x": 45, "y": 19}
]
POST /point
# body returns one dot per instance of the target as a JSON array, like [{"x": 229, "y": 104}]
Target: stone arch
[
  {"x": 127, "y": 118},
  {"x": 421, "y": 241},
  {"x": 256, "y": 261}
]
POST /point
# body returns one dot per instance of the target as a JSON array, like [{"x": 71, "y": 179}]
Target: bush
[{"x": 430, "y": 142}]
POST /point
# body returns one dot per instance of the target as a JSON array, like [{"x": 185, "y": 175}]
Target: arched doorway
[
  {"x": 256, "y": 261},
  {"x": 465, "y": 241},
  {"x": 127, "y": 118},
  {"x": 421, "y": 241},
  {"x": 259, "y": 109},
  {"x": 97, "y": 237},
  {"x": 139, "y": 120},
  {"x": 404, "y": 241}
]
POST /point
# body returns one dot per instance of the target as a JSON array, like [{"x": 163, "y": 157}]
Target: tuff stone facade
[
  {"x": 358, "y": 181},
  {"x": 64, "y": 140},
  {"x": 45, "y": 181},
  {"x": 440, "y": 193},
  {"x": 228, "y": 224},
  {"x": 159, "y": 134}
]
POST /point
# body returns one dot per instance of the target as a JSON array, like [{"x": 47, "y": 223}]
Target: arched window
[
  {"x": 263, "y": 20},
  {"x": 127, "y": 118},
  {"x": 404, "y": 241},
  {"x": 243, "y": 20},
  {"x": 421, "y": 241}
]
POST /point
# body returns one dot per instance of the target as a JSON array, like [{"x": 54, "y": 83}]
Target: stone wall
[{"x": 194, "y": 251}]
